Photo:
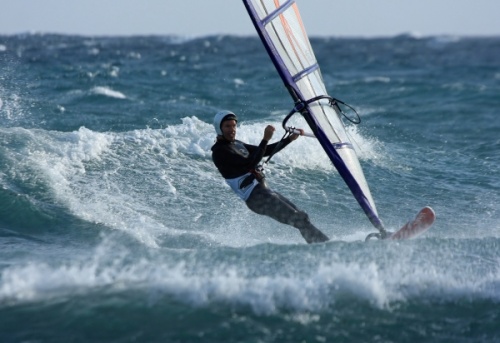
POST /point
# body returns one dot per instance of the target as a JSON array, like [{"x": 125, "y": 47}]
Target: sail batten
[
  {"x": 305, "y": 72},
  {"x": 277, "y": 12}
]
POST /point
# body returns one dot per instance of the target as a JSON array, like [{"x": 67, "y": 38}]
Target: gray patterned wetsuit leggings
[{"x": 269, "y": 203}]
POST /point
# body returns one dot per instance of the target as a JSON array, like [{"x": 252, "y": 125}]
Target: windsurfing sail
[{"x": 282, "y": 32}]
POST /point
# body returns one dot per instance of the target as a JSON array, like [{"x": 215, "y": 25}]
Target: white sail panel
[{"x": 286, "y": 40}]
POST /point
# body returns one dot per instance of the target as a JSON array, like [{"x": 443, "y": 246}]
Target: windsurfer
[{"x": 238, "y": 163}]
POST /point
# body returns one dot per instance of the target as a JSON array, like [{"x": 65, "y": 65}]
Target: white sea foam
[
  {"x": 238, "y": 82},
  {"x": 377, "y": 79},
  {"x": 94, "y": 51},
  {"x": 88, "y": 175},
  {"x": 11, "y": 107},
  {"x": 322, "y": 286},
  {"x": 264, "y": 294},
  {"x": 106, "y": 91},
  {"x": 444, "y": 40}
]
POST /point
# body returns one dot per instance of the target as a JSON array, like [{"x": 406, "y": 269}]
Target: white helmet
[{"x": 222, "y": 116}]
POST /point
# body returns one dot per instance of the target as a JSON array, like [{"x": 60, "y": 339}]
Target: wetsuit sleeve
[
  {"x": 256, "y": 152},
  {"x": 270, "y": 148}
]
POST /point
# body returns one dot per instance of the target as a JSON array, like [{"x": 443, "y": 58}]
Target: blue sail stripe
[{"x": 305, "y": 72}]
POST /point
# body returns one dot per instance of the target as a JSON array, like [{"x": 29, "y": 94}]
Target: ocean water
[{"x": 115, "y": 226}]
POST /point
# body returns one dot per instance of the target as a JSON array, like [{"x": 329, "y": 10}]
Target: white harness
[{"x": 235, "y": 184}]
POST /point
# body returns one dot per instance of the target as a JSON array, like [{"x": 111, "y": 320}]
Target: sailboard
[{"x": 282, "y": 32}]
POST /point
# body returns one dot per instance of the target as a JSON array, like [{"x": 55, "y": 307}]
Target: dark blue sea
[{"x": 115, "y": 226}]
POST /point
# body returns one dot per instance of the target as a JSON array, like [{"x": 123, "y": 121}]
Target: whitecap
[
  {"x": 106, "y": 91},
  {"x": 114, "y": 71},
  {"x": 94, "y": 51},
  {"x": 374, "y": 79},
  {"x": 238, "y": 82}
]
